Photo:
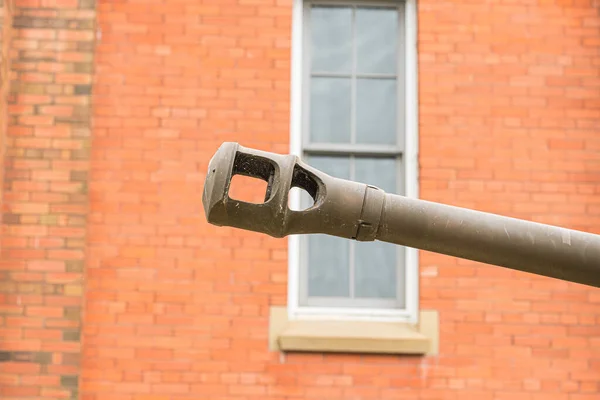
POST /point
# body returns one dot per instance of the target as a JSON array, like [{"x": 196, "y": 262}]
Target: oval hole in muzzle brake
[{"x": 304, "y": 190}]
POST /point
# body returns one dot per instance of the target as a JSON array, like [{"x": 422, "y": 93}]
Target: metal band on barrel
[{"x": 371, "y": 214}]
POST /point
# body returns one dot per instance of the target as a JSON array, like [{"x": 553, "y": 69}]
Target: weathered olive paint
[{"x": 363, "y": 212}]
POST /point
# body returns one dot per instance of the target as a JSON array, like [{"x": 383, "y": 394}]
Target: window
[{"x": 352, "y": 117}]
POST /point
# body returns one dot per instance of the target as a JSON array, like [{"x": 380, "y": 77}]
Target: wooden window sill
[{"x": 353, "y": 336}]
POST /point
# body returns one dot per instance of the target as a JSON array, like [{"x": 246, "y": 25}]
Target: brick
[
  {"x": 71, "y": 336},
  {"x": 20, "y": 368},
  {"x": 44, "y": 311},
  {"x": 18, "y": 391},
  {"x": 47, "y": 266}
]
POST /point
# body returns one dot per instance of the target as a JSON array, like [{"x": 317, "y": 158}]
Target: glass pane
[
  {"x": 331, "y": 39},
  {"x": 376, "y": 262},
  {"x": 328, "y": 272},
  {"x": 337, "y": 166},
  {"x": 328, "y": 261},
  {"x": 380, "y": 172},
  {"x": 330, "y": 110},
  {"x": 376, "y": 40},
  {"x": 375, "y": 270},
  {"x": 376, "y": 111}
]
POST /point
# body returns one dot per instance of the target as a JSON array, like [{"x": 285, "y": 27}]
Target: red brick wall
[
  {"x": 177, "y": 309},
  {"x": 45, "y": 199}
]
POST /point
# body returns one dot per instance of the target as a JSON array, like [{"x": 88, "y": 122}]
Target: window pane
[
  {"x": 380, "y": 172},
  {"x": 375, "y": 270},
  {"x": 376, "y": 111},
  {"x": 376, "y": 40},
  {"x": 328, "y": 272},
  {"x": 337, "y": 166},
  {"x": 330, "y": 110},
  {"x": 331, "y": 39},
  {"x": 376, "y": 262},
  {"x": 328, "y": 261}
]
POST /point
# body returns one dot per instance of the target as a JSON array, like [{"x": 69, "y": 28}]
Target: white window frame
[{"x": 411, "y": 179}]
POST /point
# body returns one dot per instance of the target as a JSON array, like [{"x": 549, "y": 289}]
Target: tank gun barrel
[{"x": 362, "y": 212}]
